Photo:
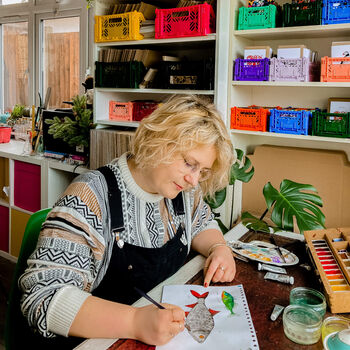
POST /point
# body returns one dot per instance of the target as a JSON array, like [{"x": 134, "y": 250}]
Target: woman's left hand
[{"x": 220, "y": 266}]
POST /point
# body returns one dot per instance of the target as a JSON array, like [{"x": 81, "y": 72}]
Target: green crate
[
  {"x": 302, "y": 14},
  {"x": 257, "y": 17},
  {"x": 331, "y": 124},
  {"x": 119, "y": 74}
]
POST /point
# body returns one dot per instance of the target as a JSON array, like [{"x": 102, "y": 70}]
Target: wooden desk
[{"x": 261, "y": 295}]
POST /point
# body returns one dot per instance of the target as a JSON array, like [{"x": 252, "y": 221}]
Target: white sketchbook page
[{"x": 229, "y": 332}]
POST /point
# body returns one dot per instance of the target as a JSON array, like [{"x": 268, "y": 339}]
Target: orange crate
[
  {"x": 121, "y": 111},
  {"x": 254, "y": 119},
  {"x": 335, "y": 69}
]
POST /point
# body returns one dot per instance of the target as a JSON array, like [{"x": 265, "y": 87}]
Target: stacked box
[
  {"x": 302, "y": 14},
  {"x": 257, "y": 17},
  {"x": 290, "y": 121},
  {"x": 252, "y": 69},
  {"x": 120, "y": 27},
  {"x": 197, "y": 20},
  {"x": 335, "y": 11},
  {"x": 331, "y": 124},
  {"x": 130, "y": 111},
  {"x": 294, "y": 69},
  {"x": 253, "y": 119},
  {"x": 335, "y": 69}
]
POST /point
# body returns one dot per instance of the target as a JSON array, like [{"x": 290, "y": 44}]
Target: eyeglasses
[{"x": 193, "y": 168}]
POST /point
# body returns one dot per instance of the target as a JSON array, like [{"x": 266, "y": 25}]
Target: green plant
[
  {"x": 17, "y": 112},
  {"x": 293, "y": 200},
  {"x": 75, "y": 132},
  {"x": 240, "y": 170}
]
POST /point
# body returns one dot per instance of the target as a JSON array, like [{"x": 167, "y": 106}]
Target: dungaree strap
[{"x": 115, "y": 202}]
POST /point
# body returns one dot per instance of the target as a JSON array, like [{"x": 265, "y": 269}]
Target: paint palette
[
  {"x": 264, "y": 252},
  {"x": 330, "y": 251}
]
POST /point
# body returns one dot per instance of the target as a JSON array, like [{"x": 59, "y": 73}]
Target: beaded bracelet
[{"x": 210, "y": 250}]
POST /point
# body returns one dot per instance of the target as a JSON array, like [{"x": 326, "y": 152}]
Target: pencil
[{"x": 143, "y": 294}]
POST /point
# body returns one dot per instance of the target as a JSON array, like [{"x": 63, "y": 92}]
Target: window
[
  {"x": 61, "y": 59},
  {"x": 43, "y": 43},
  {"x": 15, "y": 64}
]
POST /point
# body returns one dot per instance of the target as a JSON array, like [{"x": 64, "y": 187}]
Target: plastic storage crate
[
  {"x": 258, "y": 3},
  {"x": 27, "y": 186},
  {"x": 197, "y": 75},
  {"x": 257, "y": 17},
  {"x": 253, "y": 119},
  {"x": 124, "y": 26},
  {"x": 5, "y": 134},
  {"x": 252, "y": 69},
  {"x": 335, "y": 69},
  {"x": 330, "y": 124},
  {"x": 290, "y": 121},
  {"x": 130, "y": 111},
  {"x": 119, "y": 74},
  {"x": 294, "y": 69},
  {"x": 302, "y": 14},
  {"x": 197, "y": 20},
  {"x": 335, "y": 11}
]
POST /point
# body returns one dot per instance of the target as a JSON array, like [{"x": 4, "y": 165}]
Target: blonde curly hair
[{"x": 181, "y": 124}]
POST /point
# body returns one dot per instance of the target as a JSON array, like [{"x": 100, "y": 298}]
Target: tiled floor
[{"x": 7, "y": 267}]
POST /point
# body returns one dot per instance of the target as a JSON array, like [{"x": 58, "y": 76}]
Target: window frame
[{"x": 33, "y": 12}]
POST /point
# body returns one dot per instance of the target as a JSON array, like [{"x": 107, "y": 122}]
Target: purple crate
[
  {"x": 294, "y": 69},
  {"x": 290, "y": 121},
  {"x": 251, "y": 69}
]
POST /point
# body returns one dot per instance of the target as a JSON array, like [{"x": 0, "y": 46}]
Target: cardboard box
[
  {"x": 293, "y": 51},
  {"x": 257, "y": 52},
  {"x": 340, "y": 49}
]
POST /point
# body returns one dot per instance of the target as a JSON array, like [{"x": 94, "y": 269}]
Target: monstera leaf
[
  {"x": 239, "y": 171},
  {"x": 291, "y": 201},
  {"x": 253, "y": 223}
]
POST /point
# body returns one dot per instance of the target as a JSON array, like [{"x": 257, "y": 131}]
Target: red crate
[
  {"x": 27, "y": 186},
  {"x": 335, "y": 69},
  {"x": 142, "y": 109},
  {"x": 5, "y": 134},
  {"x": 254, "y": 119},
  {"x": 197, "y": 20},
  {"x": 4, "y": 228}
]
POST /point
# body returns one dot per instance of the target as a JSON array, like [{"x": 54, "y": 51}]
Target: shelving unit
[
  {"x": 52, "y": 178},
  {"x": 306, "y": 95}
]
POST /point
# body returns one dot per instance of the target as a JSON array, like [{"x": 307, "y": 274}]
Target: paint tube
[
  {"x": 271, "y": 268},
  {"x": 279, "y": 278},
  {"x": 277, "y": 310}
]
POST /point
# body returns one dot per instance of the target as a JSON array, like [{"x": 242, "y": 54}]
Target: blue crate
[
  {"x": 290, "y": 121},
  {"x": 335, "y": 11}
]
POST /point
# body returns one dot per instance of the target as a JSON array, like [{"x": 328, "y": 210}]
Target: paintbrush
[
  {"x": 146, "y": 296},
  {"x": 272, "y": 239}
]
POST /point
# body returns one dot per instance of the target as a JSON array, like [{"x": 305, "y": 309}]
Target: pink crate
[
  {"x": 27, "y": 191},
  {"x": 178, "y": 22},
  {"x": 5, "y": 134},
  {"x": 121, "y": 111},
  {"x": 4, "y": 228},
  {"x": 294, "y": 69}
]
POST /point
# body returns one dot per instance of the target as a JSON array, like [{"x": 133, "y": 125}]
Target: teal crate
[
  {"x": 257, "y": 17},
  {"x": 331, "y": 124}
]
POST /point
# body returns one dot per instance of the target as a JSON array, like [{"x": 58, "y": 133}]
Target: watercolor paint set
[{"x": 330, "y": 250}]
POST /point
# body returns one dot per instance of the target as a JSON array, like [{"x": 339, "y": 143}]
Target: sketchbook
[{"x": 216, "y": 318}]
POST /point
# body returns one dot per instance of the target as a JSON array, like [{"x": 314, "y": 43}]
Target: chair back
[{"x": 15, "y": 324}]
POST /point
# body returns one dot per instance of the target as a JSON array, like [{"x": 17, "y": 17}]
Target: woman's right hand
[{"x": 158, "y": 326}]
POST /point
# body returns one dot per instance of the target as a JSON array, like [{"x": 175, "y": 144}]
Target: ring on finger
[{"x": 222, "y": 268}]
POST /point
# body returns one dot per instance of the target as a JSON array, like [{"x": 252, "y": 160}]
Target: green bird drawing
[{"x": 228, "y": 301}]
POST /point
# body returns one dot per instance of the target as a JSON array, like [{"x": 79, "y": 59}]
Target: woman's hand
[
  {"x": 220, "y": 266},
  {"x": 158, "y": 326}
]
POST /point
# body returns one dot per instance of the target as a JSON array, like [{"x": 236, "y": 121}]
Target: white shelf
[
  {"x": 315, "y": 84},
  {"x": 319, "y": 31},
  {"x": 118, "y": 123},
  {"x": 294, "y": 137},
  {"x": 157, "y": 91},
  {"x": 173, "y": 41},
  {"x": 4, "y": 203}
]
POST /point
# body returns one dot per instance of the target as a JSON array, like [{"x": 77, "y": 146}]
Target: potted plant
[{"x": 292, "y": 201}]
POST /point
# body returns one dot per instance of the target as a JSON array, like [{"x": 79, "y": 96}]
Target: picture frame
[{"x": 338, "y": 105}]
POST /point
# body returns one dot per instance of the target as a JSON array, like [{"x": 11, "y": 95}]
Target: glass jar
[
  {"x": 334, "y": 324},
  {"x": 308, "y": 297},
  {"x": 302, "y": 324}
]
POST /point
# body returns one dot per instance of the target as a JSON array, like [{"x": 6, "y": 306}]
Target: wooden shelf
[{"x": 319, "y": 31}]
